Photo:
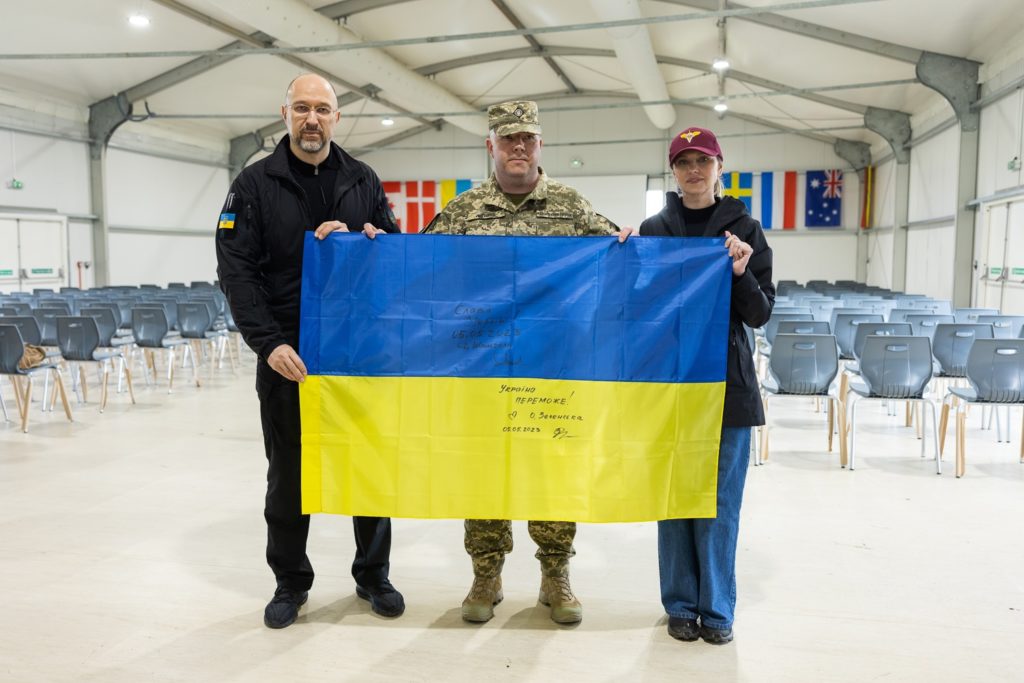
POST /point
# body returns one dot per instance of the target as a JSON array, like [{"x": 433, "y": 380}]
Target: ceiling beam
[
  {"x": 346, "y": 8},
  {"x": 818, "y": 32},
  {"x": 519, "y": 53},
  {"x": 537, "y": 47},
  {"x": 393, "y": 139}
]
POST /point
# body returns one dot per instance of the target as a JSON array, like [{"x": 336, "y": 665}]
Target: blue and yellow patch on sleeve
[{"x": 227, "y": 221}]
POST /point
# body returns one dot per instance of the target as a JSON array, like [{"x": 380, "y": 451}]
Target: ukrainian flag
[{"x": 540, "y": 378}]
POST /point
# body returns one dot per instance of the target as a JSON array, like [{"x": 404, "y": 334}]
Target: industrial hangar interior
[{"x": 133, "y": 537}]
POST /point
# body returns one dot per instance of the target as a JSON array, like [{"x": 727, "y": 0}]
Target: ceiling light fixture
[
  {"x": 138, "y": 20},
  {"x": 720, "y": 64},
  {"x": 387, "y": 121},
  {"x": 721, "y": 107}
]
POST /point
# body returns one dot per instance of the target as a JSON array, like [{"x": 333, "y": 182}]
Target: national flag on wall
[
  {"x": 867, "y": 191},
  {"x": 416, "y": 202},
  {"x": 474, "y": 377},
  {"x": 774, "y": 200},
  {"x": 740, "y": 186},
  {"x": 823, "y": 199}
]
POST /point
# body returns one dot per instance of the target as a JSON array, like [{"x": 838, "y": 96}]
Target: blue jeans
[{"x": 697, "y": 557}]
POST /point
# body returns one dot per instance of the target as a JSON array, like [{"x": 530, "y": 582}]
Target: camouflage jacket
[{"x": 551, "y": 209}]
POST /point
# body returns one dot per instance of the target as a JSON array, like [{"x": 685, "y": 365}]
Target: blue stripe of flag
[
  {"x": 524, "y": 307},
  {"x": 767, "y": 188}
]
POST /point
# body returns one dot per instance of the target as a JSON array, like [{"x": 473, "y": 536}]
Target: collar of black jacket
[
  {"x": 729, "y": 211},
  {"x": 350, "y": 171}
]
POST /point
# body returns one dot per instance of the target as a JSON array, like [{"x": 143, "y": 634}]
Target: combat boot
[
  {"x": 556, "y": 593},
  {"x": 478, "y": 606}
]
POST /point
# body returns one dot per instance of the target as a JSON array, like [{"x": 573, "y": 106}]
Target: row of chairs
[
  {"x": 161, "y": 320},
  {"x": 980, "y": 362}
]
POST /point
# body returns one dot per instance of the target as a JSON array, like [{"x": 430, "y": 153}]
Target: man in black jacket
[{"x": 307, "y": 184}]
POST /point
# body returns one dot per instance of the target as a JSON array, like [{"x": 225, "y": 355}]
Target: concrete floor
[{"x": 132, "y": 550}]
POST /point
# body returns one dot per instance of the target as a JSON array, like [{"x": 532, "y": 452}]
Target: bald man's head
[{"x": 310, "y": 113}]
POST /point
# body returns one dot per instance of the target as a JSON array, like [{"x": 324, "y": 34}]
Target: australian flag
[{"x": 824, "y": 199}]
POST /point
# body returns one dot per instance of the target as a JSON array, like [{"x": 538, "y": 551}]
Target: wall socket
[{"x": 1013, "y": 164}]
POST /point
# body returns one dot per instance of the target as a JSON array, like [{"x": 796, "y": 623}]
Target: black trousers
[{"x": 287, "y": 527}]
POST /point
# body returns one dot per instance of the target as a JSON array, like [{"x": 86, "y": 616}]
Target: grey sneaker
[
  {"x": 485, "y": 593},
  {"x": 556, "y": 593}
]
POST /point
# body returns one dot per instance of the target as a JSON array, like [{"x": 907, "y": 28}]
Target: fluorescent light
[
  {"x": 721, "y": 106},
  {"x": 138, "y": 20},
  {"x": 387, "y": 121},
  {"x": 720, "y": 64}
]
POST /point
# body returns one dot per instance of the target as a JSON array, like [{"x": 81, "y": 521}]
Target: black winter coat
[
  {"x": 259, "y": 257},
  {"x": 753, "y": 296}
]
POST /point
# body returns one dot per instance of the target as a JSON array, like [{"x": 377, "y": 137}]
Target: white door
[{"x": 33, "y": 252}]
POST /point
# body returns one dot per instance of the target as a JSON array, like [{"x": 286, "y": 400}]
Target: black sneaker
[
  {"x": 384, "y": 599},
  {"x": 716, "y": 636},
  {"x": 284, "y": 608},
  {"x": 683, "y": 629}
]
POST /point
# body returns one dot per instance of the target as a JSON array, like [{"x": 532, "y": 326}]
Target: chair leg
[
  {"x": 103, "y": 390},
  {"x": 26, "y": 404},
  {"x": 127, "y": 373},
  {"x": 908, "y": 417},
  {"x": 3, "y": 407},
  {"x": 853, "y": 434},
  {"x": 82, "y": 383},
  {"x": 831, "y": 421},
  {"x": 935, "y": 436},
  {"x": 170, "y": 369},
  {"x": 961, "y": 441},
  {"x": 843, "y": 449},
  {"x": 16, "y": 382},
  {"x": 942, "y": 427},
  {"x": 1022, "y": 436},
  {"x": 63, "y": 394}
]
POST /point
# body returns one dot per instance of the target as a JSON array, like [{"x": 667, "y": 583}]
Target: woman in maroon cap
[{"x": 697, "y": 557}]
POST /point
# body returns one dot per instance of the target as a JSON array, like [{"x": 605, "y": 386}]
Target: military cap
[{"x": 518, "y": 116}]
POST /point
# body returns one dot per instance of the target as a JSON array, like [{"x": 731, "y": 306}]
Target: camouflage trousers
[{"x": 489, "y": 540}]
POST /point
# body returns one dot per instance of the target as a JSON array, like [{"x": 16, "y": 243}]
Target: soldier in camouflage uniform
[{"x": 519, "y": 199}]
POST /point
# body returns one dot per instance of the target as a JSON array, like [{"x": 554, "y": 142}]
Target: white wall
[
  {"x": 879, "y": 256},
  {"x": 148, "y": 200},
  {"x": 930, "y": 261},
  {"x": 933, "y": 176},
  {"x": 55, "y": 173},
  {"x": 820, "y": 255}
]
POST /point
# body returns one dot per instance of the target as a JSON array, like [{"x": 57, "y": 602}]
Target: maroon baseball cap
[{"x": 700, "y": 139}]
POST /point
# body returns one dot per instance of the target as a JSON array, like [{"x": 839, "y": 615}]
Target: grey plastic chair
[
  {"x": 899, "y": 314},
  {"x": 80, "y": 342},
  {"x": 865, "y": 330},
  {"x": 924, "y": 324},
  {"x": 893, "y": 368},
  {"x": 803, "y": 327},
  {"x": 940, "y": 306},
  {"x": 771, "y": 327},
  {"x": 952, "y": 344},
  {"x": 845, "y": 327},
  {"x": 1004, "y": 326},
  {"x": 970, "y": 315},
  {"x": 995, "y": 371},
  {"x": 12, "y": 348},
  {"x": 803, "y": 365},
  {"x": 152, "y": 333}
]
